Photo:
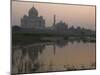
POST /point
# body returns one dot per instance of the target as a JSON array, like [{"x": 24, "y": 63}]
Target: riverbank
[{"x": 25, "y": 38}]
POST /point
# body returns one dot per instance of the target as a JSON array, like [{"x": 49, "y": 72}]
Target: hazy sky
[{"x": 75, "y": 15}]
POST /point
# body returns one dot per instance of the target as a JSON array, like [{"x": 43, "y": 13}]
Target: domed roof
[{"x": 33, "y": 12}]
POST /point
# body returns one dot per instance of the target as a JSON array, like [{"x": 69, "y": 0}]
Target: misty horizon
[{"x": 73, "y": 15}]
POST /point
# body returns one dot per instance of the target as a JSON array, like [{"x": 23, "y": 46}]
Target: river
[{"x": 53, "y": 56}]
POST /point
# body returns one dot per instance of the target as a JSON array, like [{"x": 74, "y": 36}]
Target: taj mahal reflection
[{"x": 35, "y": 58}]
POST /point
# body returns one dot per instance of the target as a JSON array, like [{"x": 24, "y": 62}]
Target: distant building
[
  {"x": 61, "y": 26},
  {"x": 32, "y": 21}
]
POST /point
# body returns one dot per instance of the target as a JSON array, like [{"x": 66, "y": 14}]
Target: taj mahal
[
  {"x": 35, "y": 23},
  {"x": 32, "y": 20}
]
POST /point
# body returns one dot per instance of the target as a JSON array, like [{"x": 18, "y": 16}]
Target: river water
[{"x": 53, "y": 56}]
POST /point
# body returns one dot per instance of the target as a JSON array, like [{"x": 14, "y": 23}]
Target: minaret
[{"x": 54, "y": 20}]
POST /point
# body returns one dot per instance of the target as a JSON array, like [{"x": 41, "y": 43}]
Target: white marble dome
[{"x": 33, "y": 12}]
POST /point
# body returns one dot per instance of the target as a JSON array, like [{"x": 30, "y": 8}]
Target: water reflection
[
  {"x": 24, "y": 58},
  {"x": 53, "y": 56}
]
